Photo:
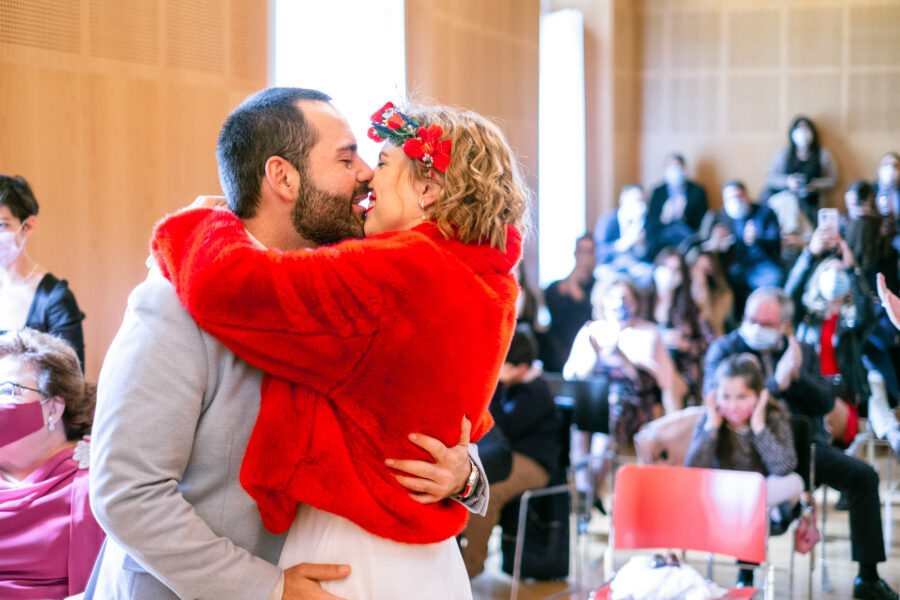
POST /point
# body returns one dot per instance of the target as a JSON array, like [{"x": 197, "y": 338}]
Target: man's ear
[{"x": 282, "y": 178}]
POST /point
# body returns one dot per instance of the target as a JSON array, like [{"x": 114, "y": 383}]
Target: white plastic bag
[{"x": 638, "y": 579}]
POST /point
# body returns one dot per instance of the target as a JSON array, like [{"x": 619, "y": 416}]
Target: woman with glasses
[
  {"x": 30, "y": 296},
  {"x": 49, "y": 539}
]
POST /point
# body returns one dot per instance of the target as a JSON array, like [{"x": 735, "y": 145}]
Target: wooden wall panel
[
  {"x": 750, "y": 40},
  {"x": 118, "y": 129},
  {"x": 720, "y": 82},
  {"x": 483, "y": 56},
  {"x": 814, "y": 36}
]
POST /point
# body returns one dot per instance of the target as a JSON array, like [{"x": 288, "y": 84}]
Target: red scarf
[{"x": 399, "y": 333}]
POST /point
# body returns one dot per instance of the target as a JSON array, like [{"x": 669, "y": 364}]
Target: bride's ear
[{"x": 427, "y": 191}]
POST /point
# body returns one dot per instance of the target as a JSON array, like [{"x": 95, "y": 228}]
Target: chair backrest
[
  {"x": 802, "y": 430},
  {"x": 589, "y": 400},
  {"x": 709, "y": 510}
]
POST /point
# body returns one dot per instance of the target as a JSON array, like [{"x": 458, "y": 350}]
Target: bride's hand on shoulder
[{"x": 207, "y": 202}]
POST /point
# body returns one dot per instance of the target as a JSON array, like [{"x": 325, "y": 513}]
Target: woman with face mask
[
  {"x": 30, "y": 296},
  {"x": 629, "y": 351},
  {"x": 50, "y": 538},
  {"x": 685, "y": 334},
  {"x": 834, "y": 313},
  {"x": 803, "y": 167}
]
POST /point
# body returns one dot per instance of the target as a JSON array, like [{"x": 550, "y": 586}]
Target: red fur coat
[{"x": 399, "y": 333}]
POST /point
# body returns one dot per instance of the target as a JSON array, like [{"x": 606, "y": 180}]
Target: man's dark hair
[
  {"x": 523, "y": 349},
  {"x": 16, "y": 195},
  {"x": 266, "y": 124},
  {"x": 862, "y": 189},
  {"x": 734, "y": 183},
  {"x": 675, "y": 156}
]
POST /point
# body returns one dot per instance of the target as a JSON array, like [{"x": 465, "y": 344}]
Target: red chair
[{"x": 709, "y": 510}]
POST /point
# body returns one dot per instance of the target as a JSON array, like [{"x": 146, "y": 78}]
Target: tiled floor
[{"x": 495, "y": 585}]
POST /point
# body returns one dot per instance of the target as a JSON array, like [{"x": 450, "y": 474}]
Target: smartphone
[{"x": 828, "y": 220}]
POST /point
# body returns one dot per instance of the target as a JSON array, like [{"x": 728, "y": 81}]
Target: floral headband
[{"x": 422, "y": 143}]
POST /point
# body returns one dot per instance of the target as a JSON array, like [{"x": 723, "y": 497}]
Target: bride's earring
[{"x": 422, "y": 206}]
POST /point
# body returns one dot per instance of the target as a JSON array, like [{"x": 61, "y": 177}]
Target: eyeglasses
[{"x": 11, "y": 389}]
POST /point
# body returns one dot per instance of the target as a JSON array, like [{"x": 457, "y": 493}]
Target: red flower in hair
[
  {"x": 394, "y": 121},
  {"x": 429, "y": 148},
  {"x": 378, "y": 115},
  {"x": 373, "y": 135}
]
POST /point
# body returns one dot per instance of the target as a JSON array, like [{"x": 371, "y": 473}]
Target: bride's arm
[{"x": 298, "y": 315}]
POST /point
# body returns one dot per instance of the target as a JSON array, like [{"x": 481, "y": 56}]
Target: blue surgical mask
[
  {"x": 834, "y": 284},
  {"x": 801, "y": 137},
  {"x": 674, "y": 176}
]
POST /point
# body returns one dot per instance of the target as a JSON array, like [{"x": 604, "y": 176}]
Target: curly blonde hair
[
  {"x": 58, "y": 373},
  {"x": 483, "y": 190}
]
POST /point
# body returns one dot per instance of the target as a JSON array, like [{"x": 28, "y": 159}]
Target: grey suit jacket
[{"x": 175, "y": 409}]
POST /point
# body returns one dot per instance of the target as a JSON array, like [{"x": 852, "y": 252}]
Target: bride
[{"x": 366, "y": 342}]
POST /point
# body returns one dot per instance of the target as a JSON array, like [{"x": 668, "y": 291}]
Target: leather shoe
[{"x": 872, "y": 590}]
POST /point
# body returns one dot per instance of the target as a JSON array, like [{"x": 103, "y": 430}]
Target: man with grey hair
[{"x": 794, "y": 376}]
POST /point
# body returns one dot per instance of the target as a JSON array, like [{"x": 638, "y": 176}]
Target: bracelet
[{"x": 470, "y": 482}]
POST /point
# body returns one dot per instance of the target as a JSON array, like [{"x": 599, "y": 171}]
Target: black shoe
[
  {"x": 598, "y": 504},
  {"x": 842, "y": 503},
  {"x": 872, "y": 590},
  {"x": 786, "y": 516}
]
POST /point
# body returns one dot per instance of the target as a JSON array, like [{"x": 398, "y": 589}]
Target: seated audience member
[
  {"x": 523, "y": 409},
  {"x": 834, "y": 313},
  {"x": 30, "y": 296},
  {"x": 745, "y": 430},
  {"x": 887, "y": 191},
  {"x": 793, "y": 225},
  {"x": 620, "y": 237},
  {"x": 710, "y": 290},
  {"x": 676, "y": 208},
  {"x": 890, "y": 301},
  {"x": 870, "y": 235},
  {"x": 684, "y": 333},
  {"x": 50, "y": 539},
  {"x": 569, "y": 303},
  {"x": 803, "y": 167},
  {"x": 629, "y": 351},
  {"x": 746, "y": 237},
  {"x": 794, "y": 376}
]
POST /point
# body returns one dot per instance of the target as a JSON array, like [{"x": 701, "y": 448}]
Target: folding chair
[{"x": 709, "y": 510}]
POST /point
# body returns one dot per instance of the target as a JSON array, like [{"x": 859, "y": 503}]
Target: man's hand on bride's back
[
  {"x": 301, "y": 582},
  {"x": 430, "y": 482}
]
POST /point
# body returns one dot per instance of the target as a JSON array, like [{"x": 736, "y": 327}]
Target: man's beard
[{"x": 325, "y": 218}]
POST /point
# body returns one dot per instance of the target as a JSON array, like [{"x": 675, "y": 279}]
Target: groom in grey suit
[{"x": 175, "y": 408}]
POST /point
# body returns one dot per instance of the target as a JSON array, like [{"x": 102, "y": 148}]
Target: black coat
[{"x": 851, "y": 332}]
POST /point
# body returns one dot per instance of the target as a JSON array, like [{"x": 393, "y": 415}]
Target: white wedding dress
[{"x": 381, "y": 569}]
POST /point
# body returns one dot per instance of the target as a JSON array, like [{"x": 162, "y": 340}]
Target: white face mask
[
  {"x": 666, "y": 279},
  {"x": 759, "y": 338},
  {"x": 887, "y": 175},
  {"x": 734, "y": 208},
  {"x": 9, "y": 247},
  {"x": 674, "y": 175},
  {"x": 833, "y": 284},
  {"x": 801, "y": 137}
]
